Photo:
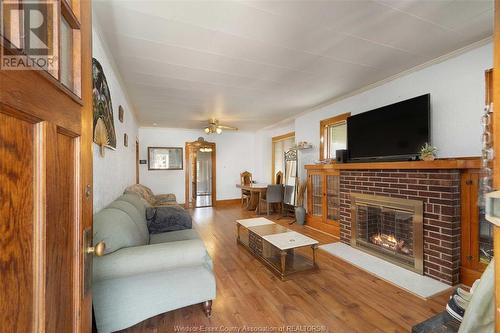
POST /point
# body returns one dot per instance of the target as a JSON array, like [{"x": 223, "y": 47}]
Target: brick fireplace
[
  {"x": 438, "y": 190},
  {"x": 388, "y": 227}
]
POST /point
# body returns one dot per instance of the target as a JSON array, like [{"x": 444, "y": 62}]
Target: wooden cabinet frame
[
  {"x": 471, "y": 267},
  {"x": 321, "y": 222}
]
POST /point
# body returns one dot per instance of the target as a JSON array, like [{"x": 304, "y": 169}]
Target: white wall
[
  {"x": 457, "y": 90},
  {"x": 116, "y": 170},
  {"x": 263, "y": 149},
  {"x": 235, "y": 153}
]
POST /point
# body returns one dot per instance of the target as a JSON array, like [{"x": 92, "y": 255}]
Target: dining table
[{"x": 256, "y": 190}]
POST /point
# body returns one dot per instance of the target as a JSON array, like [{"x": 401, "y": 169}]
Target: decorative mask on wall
[{"x": 104, "y": 126}]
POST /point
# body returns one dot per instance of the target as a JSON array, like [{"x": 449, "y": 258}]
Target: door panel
[
  {"x": 62, "y": 232},
  {"x": 17, "y": 181},
  {"x": 45, "y": 196}
]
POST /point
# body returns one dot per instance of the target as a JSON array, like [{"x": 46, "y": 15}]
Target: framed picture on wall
[{"x": 165, "y": 158}]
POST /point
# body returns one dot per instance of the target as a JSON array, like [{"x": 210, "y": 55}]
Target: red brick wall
[{"x": 440, "y": 192}]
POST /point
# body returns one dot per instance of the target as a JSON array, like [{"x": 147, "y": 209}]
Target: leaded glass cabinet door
[
  {"x": 332, "y": 181},
  {"x": 316, "y": 195},
  {"x": 477, "y": 233}
]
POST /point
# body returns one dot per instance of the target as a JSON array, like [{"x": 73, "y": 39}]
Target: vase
[
  {"x": 300, "y": 215},
  {"x": 428, "y": 157}
]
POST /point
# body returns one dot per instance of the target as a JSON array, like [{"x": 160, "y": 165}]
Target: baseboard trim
[{"x": 228, "y": 202}]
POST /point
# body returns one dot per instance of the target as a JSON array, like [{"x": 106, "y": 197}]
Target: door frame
[
  {"x": 493, "y": 95},
  {"x": 195, "y": 146},
  {"x": 137, "y": 162}
]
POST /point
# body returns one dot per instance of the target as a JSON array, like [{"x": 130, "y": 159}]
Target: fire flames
[{"x": 390, "y": 242}]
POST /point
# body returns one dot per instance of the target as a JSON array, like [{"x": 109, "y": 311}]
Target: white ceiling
[{"x": 254, "y": 63}]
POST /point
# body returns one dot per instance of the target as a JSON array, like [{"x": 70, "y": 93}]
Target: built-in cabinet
[
  {"x": 477, "y": 233},
  {"x": 323, "y": 200}
]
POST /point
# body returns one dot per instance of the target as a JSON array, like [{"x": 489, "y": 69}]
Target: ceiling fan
[{"x": 215, "y": 127}]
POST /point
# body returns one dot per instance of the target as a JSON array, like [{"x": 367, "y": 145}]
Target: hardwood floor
[{"x": 336, "y": 298}]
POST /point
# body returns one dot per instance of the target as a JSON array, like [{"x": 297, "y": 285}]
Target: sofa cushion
[
  {"x": 135, "y": 200},
  {"x": 145, "y": 259},
  {"x": 135, "y": 215},
  {"x": 142, "y": 191},
  {"x": 174, "y": 236},
  {"x": 121, "y": 303},
  {"x": 116, "y": 229}
]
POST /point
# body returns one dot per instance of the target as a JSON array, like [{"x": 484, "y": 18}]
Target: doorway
[
  {"x": 137, "y": 162},
  {"x": 200, "y": 174}
]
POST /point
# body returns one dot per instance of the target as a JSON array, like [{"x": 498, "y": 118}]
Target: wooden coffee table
[{"x": 277, "y": 246}]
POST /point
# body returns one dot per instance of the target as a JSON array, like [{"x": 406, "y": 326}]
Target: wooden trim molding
[
  {"x": 495, "y": 94},
  {"x": 196, "y": 145},
  {"x": 228, "y": 202},
  {"x": 322, "y": 131},
  {"x": 274, "y": 140},
  {"x": 451, "y": 163},
  {"x": 283, "y": 137}
]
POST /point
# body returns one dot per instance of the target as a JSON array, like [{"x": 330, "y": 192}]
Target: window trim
[
  {"x": 274, "y": 140},
  {"x": 323, "y": 127}
]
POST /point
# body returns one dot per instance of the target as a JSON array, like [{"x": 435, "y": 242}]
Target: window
[
  {"x": 55, "y": 47},
  {"x": 281, "y": 144},
  {"x": 333, "y": 135}
]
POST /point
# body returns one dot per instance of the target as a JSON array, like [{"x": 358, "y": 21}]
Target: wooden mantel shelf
[{"x": 445, "y": 163}]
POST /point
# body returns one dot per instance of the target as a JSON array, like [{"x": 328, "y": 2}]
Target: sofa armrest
[
  {"x": 162, "y": 198},
  {"x": 150, "y": 258}
]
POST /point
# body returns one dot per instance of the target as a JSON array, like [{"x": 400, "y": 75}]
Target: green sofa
[{"x": 142, "y": 275}]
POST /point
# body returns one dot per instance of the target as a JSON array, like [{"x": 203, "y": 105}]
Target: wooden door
[{"x": 45, "y": 183}]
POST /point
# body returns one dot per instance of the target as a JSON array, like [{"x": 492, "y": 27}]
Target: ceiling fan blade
[{"x": 227, "y": 127}]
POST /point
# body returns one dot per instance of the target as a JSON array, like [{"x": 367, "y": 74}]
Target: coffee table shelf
[{"x": 277, "y": 246}]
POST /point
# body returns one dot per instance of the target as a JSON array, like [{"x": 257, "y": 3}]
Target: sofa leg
[{"x": 207, "y": 308}]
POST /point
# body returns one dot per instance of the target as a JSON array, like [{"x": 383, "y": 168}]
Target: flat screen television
[{"x": 392, "y": 132}]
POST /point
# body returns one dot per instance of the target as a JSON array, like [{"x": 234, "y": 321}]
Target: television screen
[{"x": 395, "y": 131}]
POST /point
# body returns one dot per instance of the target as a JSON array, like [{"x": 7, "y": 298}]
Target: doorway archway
[{"x": 200, "y": 185}]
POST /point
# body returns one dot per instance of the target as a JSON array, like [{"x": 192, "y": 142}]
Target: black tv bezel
[{"x": 391, "y": 158}]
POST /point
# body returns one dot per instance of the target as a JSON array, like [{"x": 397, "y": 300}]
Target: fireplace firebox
[{"x": 390, "y": 228}]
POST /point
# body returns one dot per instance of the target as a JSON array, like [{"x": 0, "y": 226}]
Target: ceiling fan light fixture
[
  {"x": 207, "y": 130},
  {"x": 218, "y": 130}
]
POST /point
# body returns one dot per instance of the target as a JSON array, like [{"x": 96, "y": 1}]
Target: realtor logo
[{"x": 27, "y": 29}]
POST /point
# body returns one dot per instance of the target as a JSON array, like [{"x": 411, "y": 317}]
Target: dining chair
[
  {"x": 279, "y": 178},
  {"x": 245, "y": 179},
  {"x": 273, "y": 195}
]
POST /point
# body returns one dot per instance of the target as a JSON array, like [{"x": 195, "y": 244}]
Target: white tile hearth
[{"x": 417, "y": 284}]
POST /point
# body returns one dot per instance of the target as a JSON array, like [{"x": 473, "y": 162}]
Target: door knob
[{"x": 98, "y": 249}]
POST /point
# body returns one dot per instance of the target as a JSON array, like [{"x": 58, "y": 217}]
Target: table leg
[
  {"x": 238, "y": 232},
  {"x": 257, "y": 209},
  {"x": 283, "y": 263},
  {"x": 314, "y": 247}
]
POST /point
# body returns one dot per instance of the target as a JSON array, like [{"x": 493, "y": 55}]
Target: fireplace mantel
[{"x": 445, "y": 163}]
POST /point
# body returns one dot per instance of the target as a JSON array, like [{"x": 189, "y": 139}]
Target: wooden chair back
[
  {"x": 246, "y": 178},
  {"x": 279, "y": 178}
]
